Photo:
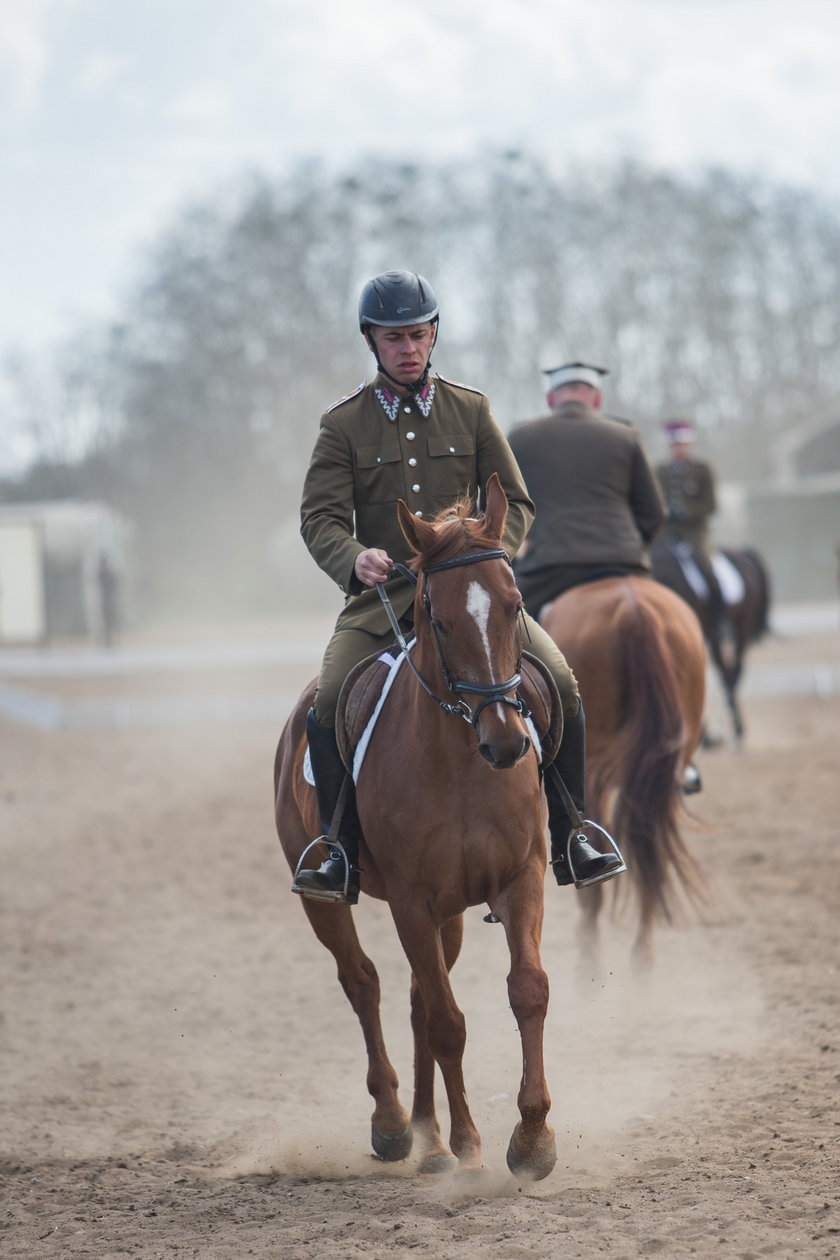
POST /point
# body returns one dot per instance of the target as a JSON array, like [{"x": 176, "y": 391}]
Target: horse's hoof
[
  {"x": 537, "y": 1165},
  {"x": 437, "y": 1162},
  {"x": 391, "y": 1146}
]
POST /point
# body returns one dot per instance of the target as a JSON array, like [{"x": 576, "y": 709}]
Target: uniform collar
[
  {"x": 574, "y": 408},
  {"x": 390, "y": 401}
]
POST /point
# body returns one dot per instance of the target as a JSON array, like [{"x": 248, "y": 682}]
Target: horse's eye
[{"x": 439, "y": 626}]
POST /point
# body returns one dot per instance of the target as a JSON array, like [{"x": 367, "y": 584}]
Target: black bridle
[{"x": 490, "y": 693}]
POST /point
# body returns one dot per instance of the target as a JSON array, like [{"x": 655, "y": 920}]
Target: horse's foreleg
[
  {"x": 443, "y": 1037},
  {"x": 532, "y": 1148},
  {"x": 335, "y": 929},
  {"x": 434, "y": 1155}
]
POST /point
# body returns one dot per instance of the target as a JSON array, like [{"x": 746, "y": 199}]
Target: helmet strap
[{"x": 413, "y": 387}]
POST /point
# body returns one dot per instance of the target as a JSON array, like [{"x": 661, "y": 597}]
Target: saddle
[
  {"x": 362, "y": 691},
  {"x": 729, "y": 579}
]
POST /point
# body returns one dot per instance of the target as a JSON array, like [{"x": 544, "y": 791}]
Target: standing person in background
[
  {"x": 597, "y": 500},
  {"x": 108, "y": 582}
]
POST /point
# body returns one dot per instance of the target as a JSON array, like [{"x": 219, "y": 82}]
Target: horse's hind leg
[
  {"x": 601, "y": 802},
  {"x": 590, "y": 902},
  {"x": 435, "y": 1157},
  {"x": 732, "y": 682},
  {"x": 643, "y": 954},
  {"x": 333, "y": 925},
  {"x": 728, "y": 658}
]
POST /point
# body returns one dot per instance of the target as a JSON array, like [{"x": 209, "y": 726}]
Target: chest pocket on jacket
[
  {"x": 453, "y": 468},
  {"x": 379, "y": 473}
]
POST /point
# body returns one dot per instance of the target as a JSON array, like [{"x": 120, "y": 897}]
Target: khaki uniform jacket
[
  {"x": 689, "y": 489},
  {"x": 374, "y": 448},
  {"x": 596, "y": 495}
]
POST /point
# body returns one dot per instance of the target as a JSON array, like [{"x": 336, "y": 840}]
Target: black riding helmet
[{"x": 397, "y": 299}]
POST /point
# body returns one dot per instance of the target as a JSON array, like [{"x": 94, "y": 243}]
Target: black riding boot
[
  {"x": 327, "y": 883},
  {"x": 573, "y": 859}
]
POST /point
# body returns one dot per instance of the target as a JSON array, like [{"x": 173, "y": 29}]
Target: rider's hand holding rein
[{"x": 372, "y": 566}]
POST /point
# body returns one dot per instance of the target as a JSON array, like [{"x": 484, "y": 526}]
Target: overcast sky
[{"x": 112, "y": 112}]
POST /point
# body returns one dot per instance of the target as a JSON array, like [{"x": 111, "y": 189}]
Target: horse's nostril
[{"x": 503, "y": 758}]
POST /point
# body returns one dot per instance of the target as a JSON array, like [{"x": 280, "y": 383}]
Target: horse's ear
[
  {"x": 495, "y": 507},
  {"x": 417, "y": 533}
]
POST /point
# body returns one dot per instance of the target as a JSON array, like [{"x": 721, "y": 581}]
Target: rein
[{"x": 491, "y": 693}]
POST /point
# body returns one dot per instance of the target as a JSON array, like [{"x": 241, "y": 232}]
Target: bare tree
[{"x": 197, "y": 410}]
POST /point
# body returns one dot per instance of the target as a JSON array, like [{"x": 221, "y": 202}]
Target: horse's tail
[{"x": 647, "y": 763}]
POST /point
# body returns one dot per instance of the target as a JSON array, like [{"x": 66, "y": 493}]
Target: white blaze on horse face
[{"x": 478, "y": 607}]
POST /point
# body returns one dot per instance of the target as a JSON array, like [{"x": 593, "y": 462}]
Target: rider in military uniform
[
  {"x": 413, "y": 435},
  {"x": 597, "y": 500},
  {"x": 688, "y": 485}
]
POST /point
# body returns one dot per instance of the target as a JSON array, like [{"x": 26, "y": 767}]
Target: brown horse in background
[
  {"x": 637, "y": 651},
  {"x": 452, "y": 817}
]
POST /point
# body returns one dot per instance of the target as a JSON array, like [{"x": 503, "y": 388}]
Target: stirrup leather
[
  {"x": 329, "y": 841},
  {"x": 323, "y": 894},
  {"x": 605, "y": 875}
]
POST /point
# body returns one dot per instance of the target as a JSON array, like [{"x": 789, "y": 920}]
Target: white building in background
[
  {"x": 56, "y": 561},
  {"x": 795, "y": 518}
]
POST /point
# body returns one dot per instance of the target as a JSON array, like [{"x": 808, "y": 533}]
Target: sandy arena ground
[{"x": 182, "y": 1076}]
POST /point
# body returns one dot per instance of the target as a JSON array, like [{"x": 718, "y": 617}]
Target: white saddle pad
[
  {"x": 732, "y": 586},
  {"x": 690, "y": 570},
  {"x": 394, "y": 664},
  {"x": 729, "y": 580}
]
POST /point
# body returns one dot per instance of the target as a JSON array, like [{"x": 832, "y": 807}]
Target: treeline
[{"x": 195, "y": 413}]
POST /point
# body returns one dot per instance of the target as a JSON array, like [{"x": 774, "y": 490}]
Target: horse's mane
[{"x": 457, "y": 530}]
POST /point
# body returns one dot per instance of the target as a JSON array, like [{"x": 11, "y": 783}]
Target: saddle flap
[
  {"x": 539, "y": 691},
  {"x": 356, "y": 702}
]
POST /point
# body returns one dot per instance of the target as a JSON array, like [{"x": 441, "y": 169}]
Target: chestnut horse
[
  {"x": 452, "y": 817},
  {"x": 637, "y": 651}
]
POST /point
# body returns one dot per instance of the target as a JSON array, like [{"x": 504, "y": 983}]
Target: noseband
[{"x": 490, "y": 693}]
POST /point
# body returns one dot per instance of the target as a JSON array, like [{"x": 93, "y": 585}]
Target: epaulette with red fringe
[
  {"x": 459, "y": 384},
  {"x": 353, "y": 394}
]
